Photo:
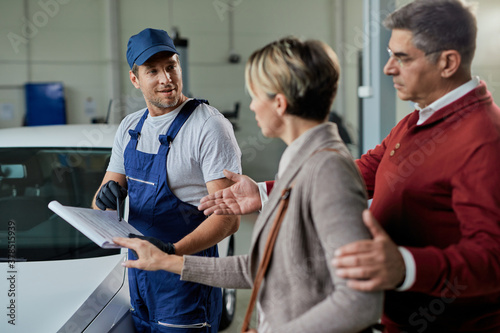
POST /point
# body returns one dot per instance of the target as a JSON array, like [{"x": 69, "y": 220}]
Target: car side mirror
[{"x": 12, "y": 171}]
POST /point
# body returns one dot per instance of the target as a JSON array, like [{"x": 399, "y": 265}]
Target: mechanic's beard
[{"x": 159, "y": 103}]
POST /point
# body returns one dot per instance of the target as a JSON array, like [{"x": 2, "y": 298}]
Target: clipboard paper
[{"x": 98, "y": 225}]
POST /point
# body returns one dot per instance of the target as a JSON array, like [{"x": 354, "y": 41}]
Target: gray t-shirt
[{"x": 204, "y": 147}]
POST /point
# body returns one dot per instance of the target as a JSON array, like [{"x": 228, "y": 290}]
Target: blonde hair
[{"x": 305, "y": 72}]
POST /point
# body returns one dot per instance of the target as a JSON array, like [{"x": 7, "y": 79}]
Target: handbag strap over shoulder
[{"x": 266, "y": 257}]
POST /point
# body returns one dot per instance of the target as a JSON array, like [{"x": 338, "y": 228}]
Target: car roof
[{"x": 89, "y": 135}]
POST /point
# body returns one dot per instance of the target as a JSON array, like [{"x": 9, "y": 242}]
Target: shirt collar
[
  {"x": 169, "y": 115},
  {"x": 452, "y": 96},
  {"x": 295, "y": 147}
]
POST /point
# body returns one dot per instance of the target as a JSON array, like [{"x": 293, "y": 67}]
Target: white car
[{"x": 53, "y": 278}]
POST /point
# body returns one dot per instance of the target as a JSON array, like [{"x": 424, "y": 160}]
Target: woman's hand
[{"x": 149, "y": 257}]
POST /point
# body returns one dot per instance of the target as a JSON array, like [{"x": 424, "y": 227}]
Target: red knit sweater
[{"x": 436, "y": 191}]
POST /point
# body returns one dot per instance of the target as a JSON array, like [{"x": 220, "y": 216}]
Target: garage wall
[
  {"x": 52, "y": 41},
  {"x": 66, "y": 40},
  {"x": 485, "y": 63},
  {"x": 206, "y": 25}
]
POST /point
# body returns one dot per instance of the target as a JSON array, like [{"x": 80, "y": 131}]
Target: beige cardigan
[{"x": 301, "y": 292}]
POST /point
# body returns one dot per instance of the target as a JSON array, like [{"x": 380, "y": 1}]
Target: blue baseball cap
[{"x": 146, "y": 44}]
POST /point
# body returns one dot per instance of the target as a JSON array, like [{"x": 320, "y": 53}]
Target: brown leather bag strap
[
  {"x": 266, "y": 257},
  {"x": 327, "y": 149}
]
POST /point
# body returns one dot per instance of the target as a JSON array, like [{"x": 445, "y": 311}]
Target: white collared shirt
[
  {"x": 449, "y": 98},
  {"x": 285, "y": 160},
  {"x": 293, "y": 148}
]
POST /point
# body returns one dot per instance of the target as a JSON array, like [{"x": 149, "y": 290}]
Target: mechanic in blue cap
[{"x": 167, "y": 157}]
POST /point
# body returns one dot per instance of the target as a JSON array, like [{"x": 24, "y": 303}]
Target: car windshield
[{"x": 32, "y": 177}]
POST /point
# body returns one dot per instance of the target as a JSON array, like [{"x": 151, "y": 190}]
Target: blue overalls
[{"x": 160, "y": 301}]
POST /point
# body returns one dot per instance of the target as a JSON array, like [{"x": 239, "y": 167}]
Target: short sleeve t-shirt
[{"x": 202, "y": 149}]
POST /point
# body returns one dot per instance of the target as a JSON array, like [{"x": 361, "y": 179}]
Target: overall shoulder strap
[
  {"x": 134, "y": 133},
  {"x": 181, "y": 118}
]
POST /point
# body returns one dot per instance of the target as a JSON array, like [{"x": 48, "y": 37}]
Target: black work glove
[
  {"x": 165, "y": 247},
  {"x": 108, "y": 195}
]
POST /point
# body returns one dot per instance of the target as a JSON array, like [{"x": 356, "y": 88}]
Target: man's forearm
[{"x": 214, "y": 229}]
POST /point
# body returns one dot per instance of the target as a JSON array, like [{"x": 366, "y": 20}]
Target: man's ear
[
  {"x": 134, "y": 79},
  {"x": 449, "y": 62},
  {"x": 281, "y": 104}
]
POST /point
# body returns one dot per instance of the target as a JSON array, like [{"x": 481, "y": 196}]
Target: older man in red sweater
[
  {"x": 435, "y": 183},
  {"x": 434, "y": 180}
]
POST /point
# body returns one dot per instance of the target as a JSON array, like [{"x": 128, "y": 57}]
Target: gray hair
[{"x": 438, "y": 25}]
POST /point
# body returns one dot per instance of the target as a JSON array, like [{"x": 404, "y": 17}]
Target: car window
[{"x": 32, "y": 177}]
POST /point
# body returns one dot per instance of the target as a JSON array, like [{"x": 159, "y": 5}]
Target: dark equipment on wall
[
  {"x": 232, "y": 115},
  {"x": 344, "y": 134}
]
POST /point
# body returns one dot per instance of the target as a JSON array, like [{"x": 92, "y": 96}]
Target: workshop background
[{"x": 82, "y": 44}]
